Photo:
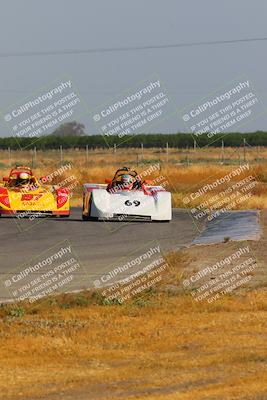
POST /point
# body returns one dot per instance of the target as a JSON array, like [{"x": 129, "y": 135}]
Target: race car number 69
[{"x": 136, "y": 203}]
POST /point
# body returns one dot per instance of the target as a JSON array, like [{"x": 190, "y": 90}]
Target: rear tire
[
  {"x": 87, "y": 217},
  {"x": 164, "y": 221}
]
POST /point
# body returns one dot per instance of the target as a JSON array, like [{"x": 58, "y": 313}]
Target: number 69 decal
[{"x": 136, "y": 203}]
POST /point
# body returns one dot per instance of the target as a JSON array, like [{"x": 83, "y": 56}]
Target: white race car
[{"x": 126, "y": 197}]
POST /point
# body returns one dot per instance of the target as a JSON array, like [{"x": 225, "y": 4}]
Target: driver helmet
[
  {"x": 126, "y": 180},
  {"x": 24, "y": 178}
]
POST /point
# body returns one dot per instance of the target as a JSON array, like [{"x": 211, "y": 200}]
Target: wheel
[
  {"x": 87, "y": 217},
  {"x": 163, "y": 221}
]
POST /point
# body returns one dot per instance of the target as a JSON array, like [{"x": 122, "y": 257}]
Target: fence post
[
  {"x": 32, "y": 153},
  {"x": 222, "y": 155},
  {"x": 114, "y": 152},
  {"x": 187, "y": 154},
  {"x": 9, "y": 156},
  {"x": 167, "y": 152},
  {"x": 244, "y": 150},
  {"x": 87, "y": 155},
  {"x": 61, "y": 155}
]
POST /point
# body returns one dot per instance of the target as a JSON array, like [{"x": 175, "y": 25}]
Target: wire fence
[{"x": 136, "y": 156}]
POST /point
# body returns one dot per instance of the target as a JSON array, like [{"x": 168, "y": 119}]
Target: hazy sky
[{"x": 188, "y": 73}]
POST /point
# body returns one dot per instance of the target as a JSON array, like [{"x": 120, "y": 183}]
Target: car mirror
[
  {"x": 148, "y": 182},
  {"x": 108, "y": 180}
]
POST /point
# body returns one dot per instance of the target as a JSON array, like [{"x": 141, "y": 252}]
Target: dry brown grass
[
  {"x": 171, "y": 347},
  {"x": 166, "y": 346},
  {"x": 181, "y": 177}
]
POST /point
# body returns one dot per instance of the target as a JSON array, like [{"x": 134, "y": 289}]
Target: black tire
[
  {"x": 88, "y": 218},
  {"x": 85, "y": 217},
  {"x": 164, "y": 221}
]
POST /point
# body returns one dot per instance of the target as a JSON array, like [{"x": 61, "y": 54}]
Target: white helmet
[
  {"x": 126, "y": 179},
  {"x": 24, "y": 176}
]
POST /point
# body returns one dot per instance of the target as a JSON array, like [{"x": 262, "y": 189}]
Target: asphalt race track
[
  {"x": 98, "y": 248},
  {"x": 97, "y": 245}
]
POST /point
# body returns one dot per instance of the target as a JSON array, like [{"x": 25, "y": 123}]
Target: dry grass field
[
  {"x": 166, "y": 346},
  {"x": 181, "y": 171}
]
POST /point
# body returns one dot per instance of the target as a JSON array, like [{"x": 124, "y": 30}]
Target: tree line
[{"x": 181, "y": 140}]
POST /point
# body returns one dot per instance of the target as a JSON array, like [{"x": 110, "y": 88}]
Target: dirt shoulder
[
  {"x": 220, "y": 259},
  {"x": 167, "y": 347}
]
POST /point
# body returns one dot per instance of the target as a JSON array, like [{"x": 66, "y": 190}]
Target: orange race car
[{"x": 21, "y": 193}]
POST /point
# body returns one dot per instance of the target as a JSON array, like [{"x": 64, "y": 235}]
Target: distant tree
[
  {"x": 73, "y": 128},
  {"x": 71, "y": 135}
]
